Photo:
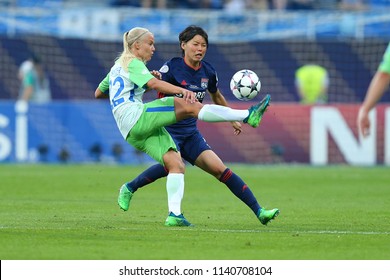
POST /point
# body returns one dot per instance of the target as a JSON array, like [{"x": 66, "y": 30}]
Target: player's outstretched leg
[
  {"x": 265, "y": 216},
  {"x": 256, "y": 112},
  {"x": 177, "y": 221},
  {"x": 124, "y": 197}
]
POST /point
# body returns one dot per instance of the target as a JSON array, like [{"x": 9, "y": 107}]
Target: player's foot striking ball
[{"x": 256, "y": 112}]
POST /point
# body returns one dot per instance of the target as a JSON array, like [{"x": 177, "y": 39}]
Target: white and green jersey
[
  {"x": 384, "y": 66},
  {"x": 126, "y": 90}
]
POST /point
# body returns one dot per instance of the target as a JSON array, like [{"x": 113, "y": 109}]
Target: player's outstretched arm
[
  {"x": 99, "y": 94},
  {"x": 379, "y": 83}
]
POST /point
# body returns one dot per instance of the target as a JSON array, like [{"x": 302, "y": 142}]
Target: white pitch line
[
  {"x": 345, "y": 232},
  {"x": 292, "y": 231}
]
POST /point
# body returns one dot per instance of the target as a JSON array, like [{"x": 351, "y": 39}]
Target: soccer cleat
[
  {"x": 265, "y": 216},
  {"x": 256, "y": 112},
  {"x": 176, "y": 221},
  {"x": 124, "y": 197}
]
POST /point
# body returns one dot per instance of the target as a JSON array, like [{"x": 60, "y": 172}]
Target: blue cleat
[{"x": 176, "y": 221}]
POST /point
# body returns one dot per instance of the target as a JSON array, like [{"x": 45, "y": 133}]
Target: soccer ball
[{"x": 245, "y": 84}]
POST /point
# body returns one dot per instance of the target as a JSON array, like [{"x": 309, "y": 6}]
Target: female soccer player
[
  {"x": 191, "y": 72},
  {"x": 142, "y": 124}
]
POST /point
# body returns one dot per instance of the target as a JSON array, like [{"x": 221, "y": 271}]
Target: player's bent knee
[
  {"x": 173, "y": 162},
  {"x": 185, "y": 110}
]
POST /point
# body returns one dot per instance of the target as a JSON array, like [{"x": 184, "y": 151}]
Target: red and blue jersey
[{"x": 200, "y": 80}]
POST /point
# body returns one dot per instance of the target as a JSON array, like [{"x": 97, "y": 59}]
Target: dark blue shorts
[{"x": 190, "y": 146}]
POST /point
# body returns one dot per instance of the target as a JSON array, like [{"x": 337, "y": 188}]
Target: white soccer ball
[{"x": 245, "y": 84}]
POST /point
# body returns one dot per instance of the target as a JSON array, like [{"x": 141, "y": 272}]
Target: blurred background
[{"x": 76, "y": 42}]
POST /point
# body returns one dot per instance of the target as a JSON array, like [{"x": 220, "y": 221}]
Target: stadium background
[{"x": 78, "y": 42}]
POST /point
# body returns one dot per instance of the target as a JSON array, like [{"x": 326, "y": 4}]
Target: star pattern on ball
[{"x": 245, "y": 84}]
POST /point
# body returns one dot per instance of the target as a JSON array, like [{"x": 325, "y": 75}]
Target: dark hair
[
  {"x": 36, "y": 59},
  {"x": 190, "y": 32}
]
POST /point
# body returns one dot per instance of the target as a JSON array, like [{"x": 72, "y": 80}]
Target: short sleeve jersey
[
  {"x": 126, "y": 89},
  {"x": 384, "y": 66},
  {"x": 178, "y": 73}
]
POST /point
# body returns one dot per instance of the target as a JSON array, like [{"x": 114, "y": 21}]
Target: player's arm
[
  {"x": 141, "y": 76},
  {"x": 167, "y": 78},
  {"x": 99, "y": 94},
  {"x": 162, "y": 86},
  {"x": 219, "y": 99},
  {"x": 378, "y": 85},
  {"x": 155, "y": 74},
  {"x": 161, "y": 94},
  {"x": 103, "y": 88},
  {"x": 380, "y": 82}
]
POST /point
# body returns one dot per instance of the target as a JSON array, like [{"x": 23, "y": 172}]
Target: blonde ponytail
[{"x": 129, "y": 38}]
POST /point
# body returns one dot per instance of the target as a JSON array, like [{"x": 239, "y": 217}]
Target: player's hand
[
  {"x": 156, "y": 74},
  {"x": 189, "y": 96},
  {"x": 237, "y": 127},
  {"x": 363, "y": 122}
]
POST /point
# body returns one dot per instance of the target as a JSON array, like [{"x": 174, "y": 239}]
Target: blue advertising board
[{"x": 79, "y": 131}]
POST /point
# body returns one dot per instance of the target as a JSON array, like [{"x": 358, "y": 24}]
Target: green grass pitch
[{"x": 70, "y": 212}]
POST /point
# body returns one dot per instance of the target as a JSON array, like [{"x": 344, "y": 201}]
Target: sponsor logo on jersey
[
  {"x": 204, "y": 82},
  {"x": 194, "y": 87},
  {"x": 200, "y": 95},
  {"x": 116, "y": 71},
  {"x": 164, "y": 69}
]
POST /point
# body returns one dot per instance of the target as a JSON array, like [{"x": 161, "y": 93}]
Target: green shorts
[{"x": 148, "y": 134}]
